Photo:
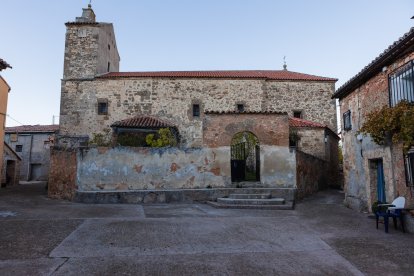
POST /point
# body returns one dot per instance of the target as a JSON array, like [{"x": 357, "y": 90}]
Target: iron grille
[{"x": 401, "y": 84}]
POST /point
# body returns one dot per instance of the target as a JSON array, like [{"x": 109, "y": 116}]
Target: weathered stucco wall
[
  {"x": 125, "y": 168},
  {"x": 172, "y": 99},
  {"x": 360, "y": 183}
]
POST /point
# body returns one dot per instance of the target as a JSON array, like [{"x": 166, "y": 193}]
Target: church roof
[
  {"x": 244, "y": 112},
  {"x": 243, "y": 74},
  {"x": 32, "y": 128},
  {"x": 142, "y": 122}
]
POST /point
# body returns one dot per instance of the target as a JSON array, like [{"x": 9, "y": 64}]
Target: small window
[
  {"x": 297, "y": 114},
  {"x": 347, "y": 120},
  {"x": 196, "y": 110},
  {"x": 109, "y": 66},
  {"x": 109, "y": 47},
  {"x": 19, "y": 148},
  {"x": 103, "y": 108},
  {"x": 240, "y": 107},
  {"x": 409, "y": 167}
]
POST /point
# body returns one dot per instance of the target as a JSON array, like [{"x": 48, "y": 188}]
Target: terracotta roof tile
[
  {"x": 248, "y": 74},
  {"x": 32, "y": 128},
  {"x": 297, "y": 122},
  {"x": 142, "y": 122},
  {"x": 4, "y": 64},
  {"x": 389, "y": 55},
  {"x": 243, "y": 112}
]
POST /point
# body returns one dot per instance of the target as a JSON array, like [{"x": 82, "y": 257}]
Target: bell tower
[{"x": 90, "y": 47}]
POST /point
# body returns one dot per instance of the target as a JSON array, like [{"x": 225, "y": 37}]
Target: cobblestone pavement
[{"x": 41, "y": 236}]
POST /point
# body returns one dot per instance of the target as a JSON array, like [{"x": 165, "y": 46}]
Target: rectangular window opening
[
  {"x": 196, "y": 110},
  {"x": 347, "y": 120},
  {"x": 102, "y": 108},
  {"x": 409, "y": 167},
  {"x": 297, "y": 114},
  {"x": 19, "y": 148},
  {"x": 240, "y": 107},
  {"x": 401, "y": 84}
]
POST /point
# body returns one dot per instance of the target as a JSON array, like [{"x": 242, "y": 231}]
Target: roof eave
[{"x": 386, "y": 58}]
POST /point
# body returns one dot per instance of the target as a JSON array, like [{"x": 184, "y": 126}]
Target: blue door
[{"x": 380, "y": 182}]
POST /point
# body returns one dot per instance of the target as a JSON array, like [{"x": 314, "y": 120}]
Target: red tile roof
[
  {"x": 248, "y": 74},
  {"x": 393, "y": 52},
  {"x": 297, "y": 122},
  {"x": 142, "y": 122},
  {"x": 32, "y": 128},
  {"x": 243, "y": 112},
  {"x": 4, "y": 64}
]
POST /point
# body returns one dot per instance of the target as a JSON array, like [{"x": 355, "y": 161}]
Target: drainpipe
[
  {"x": 30, "y": 157},
  {"x": 392, "y": 170}
]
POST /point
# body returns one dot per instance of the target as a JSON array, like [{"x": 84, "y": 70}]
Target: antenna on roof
[{"x": 284, "y": 63}]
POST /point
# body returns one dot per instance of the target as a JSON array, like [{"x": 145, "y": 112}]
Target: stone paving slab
[
  {"x": 187, "y": 236},
  {"x": 72, "y": 211},
  {"x": 26, "y": 239},
  {"x": 32, "y": 267},
  {"x": 252, "y": 263}
]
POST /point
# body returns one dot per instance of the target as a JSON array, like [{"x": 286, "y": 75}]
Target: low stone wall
[
  {"x": 177, "y": 195},
  {"x": 311, "y": 174},
  {"x": 125, "y": 168},
  {"x": 62, "y": 174}
]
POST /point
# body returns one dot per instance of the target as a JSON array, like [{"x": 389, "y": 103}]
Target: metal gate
[
  {"x": 245, "y": 162},
  {"x": 238, "y": 162}
]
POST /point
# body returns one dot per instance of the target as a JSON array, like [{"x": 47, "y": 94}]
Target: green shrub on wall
[
  {"x": 163, "y": 138},
  {"x": 391, "y": 124}
]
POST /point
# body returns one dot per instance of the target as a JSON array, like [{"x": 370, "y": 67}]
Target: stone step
[
  {"x": 236, "y": 201},
  {"x": 250, "y": 196},
  {"x": 288, "y": 206}
]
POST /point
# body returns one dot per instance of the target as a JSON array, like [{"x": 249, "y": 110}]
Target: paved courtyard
[{"x": 40, "y": 236}]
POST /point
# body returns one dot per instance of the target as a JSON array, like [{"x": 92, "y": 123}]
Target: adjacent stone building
[
  {"x": 220, "y": 119},
  {"x": 373, "y": 172},
  {"x": 32, "y": 144}
]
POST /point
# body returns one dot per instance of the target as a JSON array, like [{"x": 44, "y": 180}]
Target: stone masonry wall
[
  {"x": 172, "y": 99},
  {"x": 63, "y": 173},
  {"x": 311, "y": 174},
  {"x": 88, "y": 49},
  {"x": 270, "y": 129},
  {"x": 312, "y": 141},
  {"x": 358, "y": 155},
  {"x": 313, "y": 99}
]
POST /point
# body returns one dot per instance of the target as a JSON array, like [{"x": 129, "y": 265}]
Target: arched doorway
[{"x": 245, "y": 157}]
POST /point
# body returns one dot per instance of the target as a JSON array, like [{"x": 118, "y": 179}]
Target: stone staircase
[{"x": 248, "y": 200}]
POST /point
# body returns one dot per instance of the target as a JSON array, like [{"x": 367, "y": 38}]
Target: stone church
[{"x": 260, "y": 129}]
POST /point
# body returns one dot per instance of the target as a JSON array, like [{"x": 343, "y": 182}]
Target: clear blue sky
[{"x": 330, "y": 38}]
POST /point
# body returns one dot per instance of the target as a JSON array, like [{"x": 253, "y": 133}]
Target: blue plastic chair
[{"x": 394, "y": 211}]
